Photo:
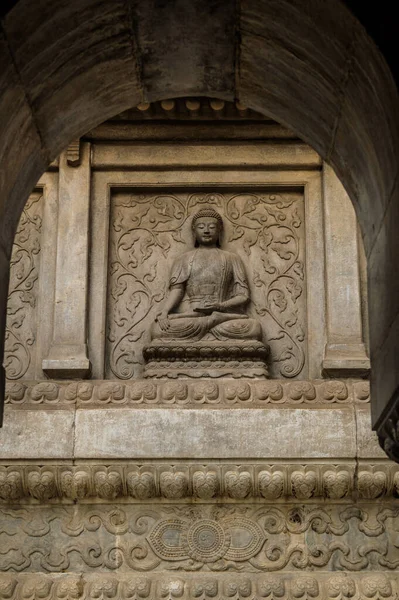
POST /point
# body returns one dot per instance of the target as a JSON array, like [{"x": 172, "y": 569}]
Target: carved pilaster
[
  {"x": 345, "y": 354},
  {"x": 68, "y": 353}
]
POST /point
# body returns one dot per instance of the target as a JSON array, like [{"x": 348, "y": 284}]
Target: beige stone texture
[
  {"x": 264, "y": 155},
  {"x": 367, "y": 441},
  {"x": 345, "y": 349},
  {"x": 32, "y": 435},
  {"x": 68, "y": 352},
  {"x": 162, "y": 433}
]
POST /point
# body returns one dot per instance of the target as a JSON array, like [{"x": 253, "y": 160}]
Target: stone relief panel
[
  {"x": 200, "y": 538},
  {"x": 20, "y": 340},
  {"x": 148, "y": 230}
]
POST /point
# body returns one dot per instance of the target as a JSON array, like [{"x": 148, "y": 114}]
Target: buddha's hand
[
  {"x": 209, "y": 307},
  {"x": 163, "y": 321}
]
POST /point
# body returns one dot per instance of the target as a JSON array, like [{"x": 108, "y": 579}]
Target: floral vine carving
[
  {"x": 148, "y": 231},
  {"x": 22, "y": 294}
]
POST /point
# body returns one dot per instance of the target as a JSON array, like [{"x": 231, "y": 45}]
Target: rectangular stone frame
[{"x": 217, "y": 169}]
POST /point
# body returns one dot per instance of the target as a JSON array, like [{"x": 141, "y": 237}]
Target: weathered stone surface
[
  {"x": 287, "y": 71},
  {"x": 204, "y": 155},
  {"x": 345, "y": 353},
  {"x": 68, "y": 352},
  {"x": 368, "y": 134},
  {"x": 86, "y": 47},
  {"x": 21, "y": 156},
  {"x": 151, "y": 539},
  {"x": 383, "y": 272},
  {"x": 201, "y": 434},
  {"x": 33, "y": 435},
  {"x": 367, "y": 440},
  {"x": 186, "y": 48}
]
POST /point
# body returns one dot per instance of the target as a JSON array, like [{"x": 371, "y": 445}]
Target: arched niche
[{"x": 67, "y": 66}]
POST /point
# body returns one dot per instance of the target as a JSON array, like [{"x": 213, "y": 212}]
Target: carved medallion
[{"x": 207, "y": 540}]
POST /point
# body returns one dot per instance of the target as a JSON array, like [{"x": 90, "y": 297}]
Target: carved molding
[
  {"x": 209, "y": 482},
  {"x": 229, "y": 393},
  {"x": 291, "y": 586},
  {"x": 73, "y": 157},
  {"x": 200, "y": 538},
  {"x": 188, "y": 108}
]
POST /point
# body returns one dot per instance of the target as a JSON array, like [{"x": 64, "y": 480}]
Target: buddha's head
[{"x": 207, "y": 226}]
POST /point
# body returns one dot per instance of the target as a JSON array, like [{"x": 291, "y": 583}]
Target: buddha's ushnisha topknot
[{"x": 207, "y": 212}]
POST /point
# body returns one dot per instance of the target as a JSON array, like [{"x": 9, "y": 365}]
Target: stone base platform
[{"x": 172, "y": 360}]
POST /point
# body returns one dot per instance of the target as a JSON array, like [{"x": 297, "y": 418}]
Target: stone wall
[{"x": 112, "y": 485}]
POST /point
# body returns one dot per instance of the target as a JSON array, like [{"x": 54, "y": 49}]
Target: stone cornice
[
  {"x": 223, "y": 586},
  {"x": 210, "y": 482},
  {"x": 223, "y": 393}
]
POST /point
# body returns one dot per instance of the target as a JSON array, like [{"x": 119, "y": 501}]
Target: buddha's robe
[{"x": 210, "y": 276}]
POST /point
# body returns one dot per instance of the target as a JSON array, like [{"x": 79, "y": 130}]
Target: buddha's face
[{"x": 207, "y": 230}]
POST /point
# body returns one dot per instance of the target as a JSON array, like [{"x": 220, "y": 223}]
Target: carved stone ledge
[
  {"x": 287, "y": 586},
  {"x": 227, "y": 392},
  {"x": 229, "y": 482}
]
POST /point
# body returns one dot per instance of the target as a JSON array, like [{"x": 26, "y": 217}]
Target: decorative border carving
[
  {"x": 205, "y": 483},
  {"x": 290, "y": 586},
  {"x": 228, "y": 392}
]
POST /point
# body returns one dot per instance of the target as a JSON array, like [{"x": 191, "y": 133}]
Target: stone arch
[{"x": 67, "y": 66}]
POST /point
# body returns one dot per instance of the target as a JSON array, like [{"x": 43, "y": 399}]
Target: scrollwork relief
[
  {"x": 20, "y": 336},
  {"x": 208, "y": 539},
  {"x": 148, "y": 231}
]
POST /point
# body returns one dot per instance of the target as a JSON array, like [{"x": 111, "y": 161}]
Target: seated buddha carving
[{"x": 208, "y": 297}]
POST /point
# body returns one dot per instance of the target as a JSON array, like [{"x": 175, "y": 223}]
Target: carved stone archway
[{"x": 66, "y": 67}]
